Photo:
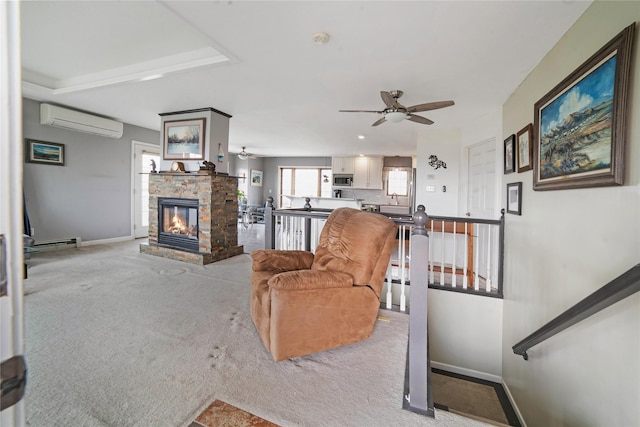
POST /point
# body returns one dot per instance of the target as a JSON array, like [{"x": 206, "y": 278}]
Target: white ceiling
[{"x": 257, "y": 62}]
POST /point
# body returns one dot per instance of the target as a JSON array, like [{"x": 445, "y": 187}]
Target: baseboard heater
[{"x": 53, "y": 245}]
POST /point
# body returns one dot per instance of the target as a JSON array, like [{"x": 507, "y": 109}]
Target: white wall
[
  {"x": 465, "y": 331},
  {"x": 446, "y": 145},
  {"x": 465, "y": 334},
  {"x": 567, "y": 244}
]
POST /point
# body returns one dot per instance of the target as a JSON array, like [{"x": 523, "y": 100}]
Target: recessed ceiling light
[
  {"x": 360, "y": 136},
  {"x": 151, "y": 77},
  {"x": 321, "y": 38}
]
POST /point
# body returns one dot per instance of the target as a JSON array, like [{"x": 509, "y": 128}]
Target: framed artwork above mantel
[{"x": 183, "y": 139}]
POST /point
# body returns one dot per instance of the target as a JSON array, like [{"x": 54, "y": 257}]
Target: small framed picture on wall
[
  {"x": 45, "y": 153},
  {"x": 509, "y": 154},
  {"x": 514, "y": 198},
  {"x": 256, "y": 178},
  {"x": 525, "y": 148}
]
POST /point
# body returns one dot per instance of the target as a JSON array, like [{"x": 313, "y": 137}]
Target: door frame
[
  {"x": 134, "y": 145},
  {"x": 11, "y": 188}
]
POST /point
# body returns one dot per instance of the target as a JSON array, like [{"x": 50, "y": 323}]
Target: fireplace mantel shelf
[{"x": 190, "y": 173}]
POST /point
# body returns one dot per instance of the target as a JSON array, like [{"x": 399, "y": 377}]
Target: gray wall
[
  {"x": 239, "y": 167},
  {"x": 90, "y": 196}
]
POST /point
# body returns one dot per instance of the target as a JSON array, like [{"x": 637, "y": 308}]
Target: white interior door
[
  {"x": 11, "y": 219},
  {"x": 481, "y": 200},
  {"x": 481, "y": 203},
  {"x": 143, "y": 154}
]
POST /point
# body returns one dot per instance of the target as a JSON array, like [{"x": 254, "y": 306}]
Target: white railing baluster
[
  {"x": 409, "y": 257},
  {"x": 476, "y": 270},
  {"x": 442, "y": 241},
  {"x": 465, "y": 270},
  {"x": 403, "y": 297},
  {"x": 431, "y": 261},
  {"x": 279, "y": 231},
  {"x": 285, "y": 226},
  {"x": 453, "y": 263},
  {"x": 301, "y": 230},
  {"x": 488, "y": 279},
  {"x": 389, "y": 283},
  {"x": 296, "y": 232}
]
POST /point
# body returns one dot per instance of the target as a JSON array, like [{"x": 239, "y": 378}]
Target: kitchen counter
[
  {"x": 395, "y": 209},
  {"x": 325, "y": 202}
]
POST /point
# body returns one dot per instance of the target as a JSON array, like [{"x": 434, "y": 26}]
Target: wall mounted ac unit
[{"x": 53, "y": 115}]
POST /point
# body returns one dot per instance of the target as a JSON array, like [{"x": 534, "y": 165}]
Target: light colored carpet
[{"x": 118, "y": 338}]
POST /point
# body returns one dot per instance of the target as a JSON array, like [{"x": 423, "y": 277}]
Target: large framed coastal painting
[
  {"x": 580, "y": 125},
  {"x": 184, "y": 140}
]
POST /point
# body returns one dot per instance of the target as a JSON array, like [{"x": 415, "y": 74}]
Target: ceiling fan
[
  {"x": 243, "y": 155},
  {"x": 396, "y": 112}
]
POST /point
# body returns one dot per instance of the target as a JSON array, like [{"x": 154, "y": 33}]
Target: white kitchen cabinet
[
  {"x": 342, "y": 165},
  {"x": 368, "y": 173}
]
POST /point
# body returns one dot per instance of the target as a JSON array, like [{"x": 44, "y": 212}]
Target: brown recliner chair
[{"x": 303, "y": 303}]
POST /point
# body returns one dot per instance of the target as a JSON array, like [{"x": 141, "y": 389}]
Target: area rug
[
  {"x": 222, "y": 414},
  {"x": 474, "y": 398}
]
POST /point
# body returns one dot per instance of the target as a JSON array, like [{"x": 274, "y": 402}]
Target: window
[
  {"x": 310, "y": 182},
  {"x": 397, "y": 182}
]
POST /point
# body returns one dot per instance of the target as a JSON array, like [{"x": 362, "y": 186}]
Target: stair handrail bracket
[{"x": 616, "y": 290}]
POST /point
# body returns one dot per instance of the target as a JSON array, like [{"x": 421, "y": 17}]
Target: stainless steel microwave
[{"x": 342, "y": 180}]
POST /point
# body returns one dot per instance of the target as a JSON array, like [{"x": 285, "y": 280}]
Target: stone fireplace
[{"x": 193, "y": 217}]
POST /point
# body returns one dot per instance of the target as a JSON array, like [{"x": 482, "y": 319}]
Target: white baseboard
[
  {"x": 468, "y": 372},
  {"x": 105, "y": 241},
  {"x": 513, "y": 404}
]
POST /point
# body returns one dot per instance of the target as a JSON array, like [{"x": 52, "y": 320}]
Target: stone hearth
[{"x": 217, "y": 215}]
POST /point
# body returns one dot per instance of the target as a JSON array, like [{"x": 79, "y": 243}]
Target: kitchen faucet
[{"x": 394, "y": 196}]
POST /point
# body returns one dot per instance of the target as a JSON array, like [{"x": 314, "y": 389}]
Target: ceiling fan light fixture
[
  {"x": 243, "y": 155},
  {"x": 395, "y": 116}
]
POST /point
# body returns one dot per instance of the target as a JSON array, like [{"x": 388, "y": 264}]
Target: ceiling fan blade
[
  {"x": 359, "y": 111},
  {"x": 379, "y": 122},
  {"x": 419, "y": 119},
  {"x": 388, "y": 99},
  {"x": 430, "y": 106}
]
